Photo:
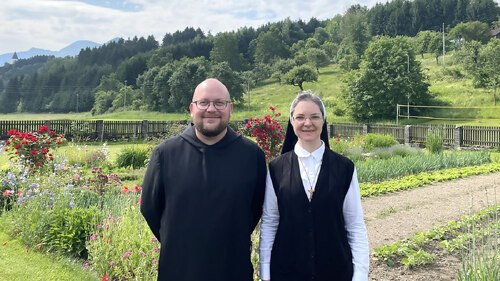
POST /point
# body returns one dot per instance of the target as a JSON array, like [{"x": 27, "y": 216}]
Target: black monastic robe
[
  {"x": 202, "y": 203},
  {"x": 311, "y": 240}
]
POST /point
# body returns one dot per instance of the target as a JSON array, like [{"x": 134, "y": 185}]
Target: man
[{"x": 203, "y": 192}]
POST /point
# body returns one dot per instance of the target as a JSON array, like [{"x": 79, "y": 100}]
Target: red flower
[
  {"x": 7, "y": 193},
  {"x": 137, "y": 188},
  {"x": 273, "y": 108},
  {"x": 11, "y": 132},
  {"x": 105, "y": 277},
  {"x": 43, "y": 128},
  {"x": 125, "y": 189}
]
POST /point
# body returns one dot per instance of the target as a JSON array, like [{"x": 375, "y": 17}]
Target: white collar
[{"x": 317, "y": 154}]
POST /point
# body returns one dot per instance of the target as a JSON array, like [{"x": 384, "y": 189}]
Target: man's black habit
[{"x": 202, "y": 202}]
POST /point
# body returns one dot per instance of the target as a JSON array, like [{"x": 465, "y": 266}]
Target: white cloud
[{"x": 54, "y": 24}]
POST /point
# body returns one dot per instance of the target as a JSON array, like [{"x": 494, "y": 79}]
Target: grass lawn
[{"x": 19, "y": 264}]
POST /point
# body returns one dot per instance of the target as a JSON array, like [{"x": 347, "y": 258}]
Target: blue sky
[{"x": 54, "y": 24}]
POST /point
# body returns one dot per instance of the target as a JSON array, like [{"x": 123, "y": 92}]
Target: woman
[{"x": 312, "y": 223}]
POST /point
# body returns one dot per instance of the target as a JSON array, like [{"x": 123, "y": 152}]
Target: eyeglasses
[
  {"x": 302, "y": 119},
  {"x": 205, "y": 104}
]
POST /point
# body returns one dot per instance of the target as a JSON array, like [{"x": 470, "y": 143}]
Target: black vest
[{"x": 311, "y": 241}]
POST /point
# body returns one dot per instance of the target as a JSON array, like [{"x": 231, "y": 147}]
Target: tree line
[{"x": 139, "y": 73}]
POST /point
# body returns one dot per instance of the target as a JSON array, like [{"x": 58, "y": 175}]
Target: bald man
[{"x": 203, "y": 192}]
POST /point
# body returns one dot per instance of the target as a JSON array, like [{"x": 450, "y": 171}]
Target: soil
[{"x": 400, "y": 215}]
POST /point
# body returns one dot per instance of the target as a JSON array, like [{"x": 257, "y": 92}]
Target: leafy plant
[
  {"x": 434, "y": 141},
  {"x": 69, "y": 228},
  {"x": 134, "y": 156},
  {"x": 377, "y": 140}
]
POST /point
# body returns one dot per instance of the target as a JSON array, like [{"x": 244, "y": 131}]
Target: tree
[
  {"x": 223, "y": 72},
  {"x": 269, "y": 46},
  {"x": 476, "y": 30},
  {"x": 226, "y": 50},
  {"x": 10, "y": 97},
  {"x": 187, "y": 75},
  {"x": 317, "y": 58},
  {"x": 300, "y": 74},
  {"x": 489, "y": 60},
  {"x": 388, "y": 75},
  {"x": 281, "y": 67}
]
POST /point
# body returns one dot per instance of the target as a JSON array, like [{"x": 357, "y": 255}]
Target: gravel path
[{"x": 400, "y": 215}]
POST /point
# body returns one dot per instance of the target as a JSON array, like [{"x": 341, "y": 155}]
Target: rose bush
[
  {"x": 32, "y": 148},
  {"x": 268, "y": 133}
]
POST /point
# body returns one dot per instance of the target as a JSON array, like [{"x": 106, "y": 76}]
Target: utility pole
[
  {"x": 76, "y": 102},
  {"x": 408, "y": 94},
  {"x": 443, "y": 44}
]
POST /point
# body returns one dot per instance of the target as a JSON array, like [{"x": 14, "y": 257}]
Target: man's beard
[{"x": 209, "y": 133}]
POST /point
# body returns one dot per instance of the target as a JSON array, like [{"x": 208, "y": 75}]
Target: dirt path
[{"x": 400, "y": 215}]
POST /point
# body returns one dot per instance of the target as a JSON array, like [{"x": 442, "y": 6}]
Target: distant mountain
[{"x": 71, "y": 50}]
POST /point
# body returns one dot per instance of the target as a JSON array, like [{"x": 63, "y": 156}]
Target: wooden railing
[{"x": 99, "y": 130}]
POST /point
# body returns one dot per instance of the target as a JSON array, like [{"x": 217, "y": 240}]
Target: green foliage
[
  {"x": 471, "y": 31},
  {"x": 374, "y": 170},
  {"x": 133, "y": 156},
  {"x": 377, "y": 140},
  {"x": 300, "y": 74},
  {"x": 68, "y": 230},
  {"x": 388, "y": 75},
  {"x": 434, "y": 142},
  {"x": 420, "y": 179}
]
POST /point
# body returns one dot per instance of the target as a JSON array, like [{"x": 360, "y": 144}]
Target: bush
[
  {"x": 69, "y": 229},
  {"x": 377, "y": 140},
  {"x": 133, "y": 156},
  {"x": 434, "y": 141}
]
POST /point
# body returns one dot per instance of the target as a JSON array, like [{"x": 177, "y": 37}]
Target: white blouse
[{"x": 357, "y": 237}]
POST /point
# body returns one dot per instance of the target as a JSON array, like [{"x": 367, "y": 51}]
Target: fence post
[
  {"x": 408, "y": 135},
  {"x": 366, "y": 129},
  {"x": 99, "y": 129},
  {"x": 144, "y": 129},
  {"x": 47, "y": 123},
  {"x": 330, "y": 131},
  {"x": 458, "y": 136}
]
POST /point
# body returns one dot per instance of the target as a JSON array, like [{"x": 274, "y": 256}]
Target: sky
[{"x": 54, "y": 24}]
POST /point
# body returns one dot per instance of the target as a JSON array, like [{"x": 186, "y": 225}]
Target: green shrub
[
  {"x": 69, "y": 229},
  {"x": 434, "y": 141},
  {"x": 133, "y": 156},
  {"x": 377, "y": 140}
]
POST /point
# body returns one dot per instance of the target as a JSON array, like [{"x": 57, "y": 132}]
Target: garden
[{"x": 78, "y": 203}]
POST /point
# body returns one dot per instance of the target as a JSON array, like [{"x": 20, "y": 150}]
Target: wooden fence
[{"x": 457, "y": 136}]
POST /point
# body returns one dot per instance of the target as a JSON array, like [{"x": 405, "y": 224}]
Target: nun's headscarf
[{"x": 290, "y": 137}]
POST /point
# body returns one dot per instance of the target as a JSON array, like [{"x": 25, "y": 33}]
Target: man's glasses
[
  {"x": 205, "y": 104},
  {"x": 302, "y": 119}
]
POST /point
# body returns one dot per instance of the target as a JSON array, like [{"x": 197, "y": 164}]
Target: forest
[{"x": 143, "y": 73}]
